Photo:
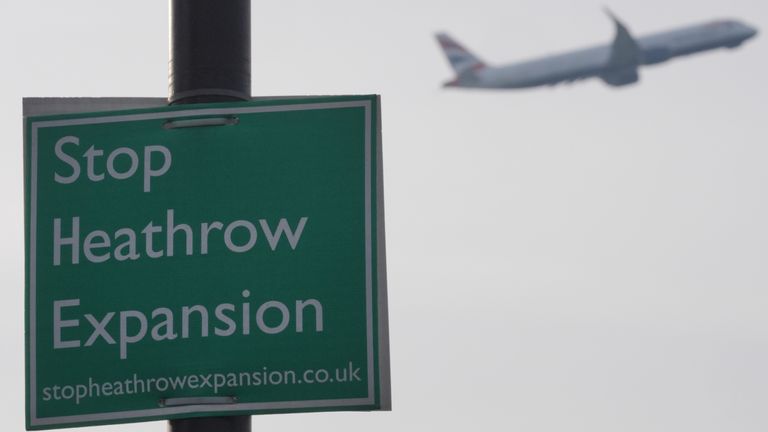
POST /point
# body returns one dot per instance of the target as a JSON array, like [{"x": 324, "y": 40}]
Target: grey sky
[{"x": 579, "y": 258}]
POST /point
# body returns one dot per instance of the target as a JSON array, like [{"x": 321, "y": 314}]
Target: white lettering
[
  {"x": 96, "y": 240},
  {"x": 251, "y": 236},
  {"x": 148, "y": 231},
  {"x": 283, "y": 227},
  {"x": 171, "y": 230},
  {"x": 205, "y": 229},
  {"x": 131, "y": 168},
  {"x": 125, "y": 338},
  {"x": 272, "y": 317},
  {"x": 67, "y": 159},
  {"x": 166, "y": 324},
  {"x": 129, "y": 244},
  {"x": 300, "y": 305},
  {"x": 59, "y": 241},
  {"x": 285, "y": 317},
  {"x": 90, "y": 157},
  {"x": 185, "y": 312},
  {"x": 58, "y": 324},
  {"x": 221, "y": 316},
  {"x": 100, "y": 329},
  {"x": 159, "y": 240},
  {"x": 148, "y": 171},
  {"x": 119, "y": 171}
]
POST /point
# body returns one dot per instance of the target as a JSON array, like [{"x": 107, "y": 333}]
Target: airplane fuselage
[{"x": 597, "y": 61}]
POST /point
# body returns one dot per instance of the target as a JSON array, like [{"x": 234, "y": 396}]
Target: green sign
[{"x": 205, "y": 260}]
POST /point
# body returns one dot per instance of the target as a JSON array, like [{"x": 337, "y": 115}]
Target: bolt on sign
[{"x": 204, "y": 260}]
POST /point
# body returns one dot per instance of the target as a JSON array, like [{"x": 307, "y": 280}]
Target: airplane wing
[{"x": 624, "y": 58}]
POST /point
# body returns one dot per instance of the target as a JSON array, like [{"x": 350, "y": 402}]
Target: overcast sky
[{"x": 577, "y": 258}]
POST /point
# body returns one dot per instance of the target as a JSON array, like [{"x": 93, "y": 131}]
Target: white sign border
[{"x": 35, "y": 126}]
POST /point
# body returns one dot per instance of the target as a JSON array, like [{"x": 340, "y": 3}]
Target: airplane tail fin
[
  {"x": 462, "y": 61},
  {"x": 625, "y": 56}
]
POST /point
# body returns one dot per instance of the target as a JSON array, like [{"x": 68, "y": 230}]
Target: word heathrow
[{"x": 157, "y": 240}]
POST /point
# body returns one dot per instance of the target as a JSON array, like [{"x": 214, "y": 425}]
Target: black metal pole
[
  {"x": 211, "y": 424},
  {"x": 210, "y": 51},
  {"x": 210, "y": 62}
]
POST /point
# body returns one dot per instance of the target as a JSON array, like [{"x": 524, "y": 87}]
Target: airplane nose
[{"x": 751, "y": 32}]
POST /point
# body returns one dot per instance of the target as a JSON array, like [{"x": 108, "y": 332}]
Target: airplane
[{"x": 616, "y": 64}]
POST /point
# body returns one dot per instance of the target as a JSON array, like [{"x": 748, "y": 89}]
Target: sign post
[
  {"x": 210, "y": 51},
  {"x": 210, "y": 62},
  {"x": 205, "y": 260}
]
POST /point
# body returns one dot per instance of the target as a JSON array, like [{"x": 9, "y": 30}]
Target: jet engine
[{"x": 621, "y": 77}]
